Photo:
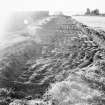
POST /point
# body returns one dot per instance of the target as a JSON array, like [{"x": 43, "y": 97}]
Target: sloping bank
[{"x": 71, "y": 70}]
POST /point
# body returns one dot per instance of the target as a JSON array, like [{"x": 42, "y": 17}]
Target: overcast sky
[
  {"x": 55, "y": 5},
  {"x": 67, "y": 6}
]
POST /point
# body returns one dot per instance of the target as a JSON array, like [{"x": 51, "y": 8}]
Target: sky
[
  {"x": 67, "y": 6},
  {"x": 53, "y": 5}
]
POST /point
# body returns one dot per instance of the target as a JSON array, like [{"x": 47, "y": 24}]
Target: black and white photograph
[{"x": 52, "y": 52}]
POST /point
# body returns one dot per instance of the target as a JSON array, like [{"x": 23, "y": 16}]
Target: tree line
[{"x": 93, "y": 12}]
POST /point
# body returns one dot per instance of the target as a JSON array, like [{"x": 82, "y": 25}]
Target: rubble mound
[{"x": 71, "y": 68}]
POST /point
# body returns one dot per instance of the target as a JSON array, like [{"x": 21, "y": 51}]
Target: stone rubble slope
[{"x": 71, "y": 68}]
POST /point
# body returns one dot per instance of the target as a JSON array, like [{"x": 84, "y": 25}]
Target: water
[{"x": 92, "y": 21}]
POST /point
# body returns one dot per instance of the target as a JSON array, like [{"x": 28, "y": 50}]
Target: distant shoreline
[{"x": 91, "y": 15}]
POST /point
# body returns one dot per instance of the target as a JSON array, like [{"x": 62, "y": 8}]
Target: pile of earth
[{"x": 69, "y": 71}]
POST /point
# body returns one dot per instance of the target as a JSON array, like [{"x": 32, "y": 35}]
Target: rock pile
[{"x": 71, "y": 68}]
